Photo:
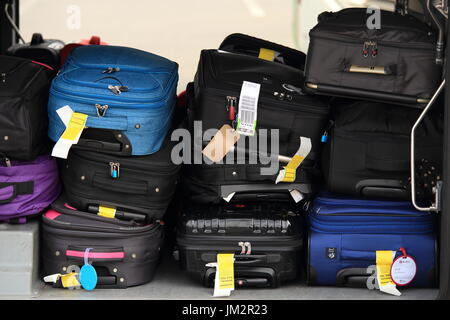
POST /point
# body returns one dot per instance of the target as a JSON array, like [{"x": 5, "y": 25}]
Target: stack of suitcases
[{"x": 354, "y": 129}]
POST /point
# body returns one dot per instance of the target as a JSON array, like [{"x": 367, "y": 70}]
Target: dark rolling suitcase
[
  {"x": 345, "y": 234},
  {"x": 396, "y": 63},
  {"x": 123, "y": 253},
  {"x": 141, "y": 185},
  {"x": 272, "y": 234},
  {"x": 245, "y": 44},
  {"x": 24, "y": 91},
  {"x": 42, "y": 50},
  {"x": 368, "y": 152}
]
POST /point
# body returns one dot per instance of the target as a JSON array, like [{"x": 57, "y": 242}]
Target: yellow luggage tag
[
  {"x": 384, "y": 261},
  {"x": 224, "y": 280},
  {"x": 75, "y": 123},
  {"x": 267, "y": 54},
  {"x": 222, "y": 143},
  {"x": 70, "y": 280},
  {"x": 289, "y": 172}
]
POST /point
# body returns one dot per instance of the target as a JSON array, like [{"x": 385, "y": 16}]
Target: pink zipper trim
[
  {"x": 44, "y": 65},
  {"x": 52, "y": 214},
  {"x": 96, "y": 255}
]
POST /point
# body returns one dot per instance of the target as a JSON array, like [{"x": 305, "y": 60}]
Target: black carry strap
[{"x": 19, "y": 188}]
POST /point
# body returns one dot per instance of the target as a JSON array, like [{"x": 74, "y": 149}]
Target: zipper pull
[
  {"x": 231, "y": 107},
  {"x": 117, "y": 89},
  {"x": 101, "y": 110},
  {"x": 7, "y": 162},
  {"x": 115, "y": 169},
  {"x": 366, "y": 49},
  {"x": 3, "y": 77},
  {"x": 374, "y": 49},
  {"x": 111, "y": 70}
]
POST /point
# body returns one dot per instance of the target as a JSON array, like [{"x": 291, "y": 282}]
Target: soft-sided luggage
[
  {"x": 346, "y": 233},
  {"x": 368, "y": 150},
  {"x": 129, "y": 92},
  {"x": 24, "y": 87},
  {"x": 123, "y": 253},
  {"x": 394, "y": 63},
  {"x": 282, "y": 106},
  {"x": 67, "y": 50},
  {"x": 266, "y": 239},
  {"x": 245, "y": 44},
  {"x": 141, "y": 185},
  {"x": 45, "y": 51},
  {"x": 27, "y": 187}
]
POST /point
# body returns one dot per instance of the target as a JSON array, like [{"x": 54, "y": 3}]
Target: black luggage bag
[
  {"x": 282, "y": 105},
  {"x": 42, "y": 50},
  {"x": 123, "y": 253},
  {"x": 368, "y": 152},
  {"x": 396, "y": 63},
  {"x": 24, "y": 90},
  {"x": 248, "y": 45},
  {"x": 141, "y": 186},
  {"x": 266, "y": 239}
]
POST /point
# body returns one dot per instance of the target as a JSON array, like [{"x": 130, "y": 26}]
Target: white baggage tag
[{"x": 248, "y": 108}]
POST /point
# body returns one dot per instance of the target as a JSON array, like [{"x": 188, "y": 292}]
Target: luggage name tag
[
  {"x": 75, "y": 123},
  {"x": 222, "y": 143},
  {"x": 88, "y": 275},
  {"x": 224, "y": 279},
  {"x": 289, "y": 172},
  {"x": 403, "y": 269},
  {"x": 384, "y": 262},
  {"x": 248, "y": 108}
]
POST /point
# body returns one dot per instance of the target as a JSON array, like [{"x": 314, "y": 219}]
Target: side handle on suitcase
[
  {"x": 352, "y": 277},
  {"x": 378, "y": 188},
  {"x": 112, "y": 254},
  {"x": 17, "y": 189},
  {"x": 436, "y": 206}
]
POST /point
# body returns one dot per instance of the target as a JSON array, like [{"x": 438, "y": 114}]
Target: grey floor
[{"x": 173, "y": 284}]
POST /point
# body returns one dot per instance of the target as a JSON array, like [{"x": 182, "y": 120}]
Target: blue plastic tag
[{"x": 88, "y": 277}]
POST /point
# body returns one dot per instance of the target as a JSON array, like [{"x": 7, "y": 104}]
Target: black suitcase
[
  {"x": 24, "y": 89},
  {"x": 245, "y": 44},
  {"x": 123, "y": 253},
  {"x": 142, "y": 185},
  {"x": 368, "y": 152},
  {"x": 272, "y": 234},
  {"x": 396, "y": 63},
  {"x": 42, "y": 50}
]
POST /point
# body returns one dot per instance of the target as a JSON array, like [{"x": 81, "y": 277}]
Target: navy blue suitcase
[{"x": 345, "y": 234}]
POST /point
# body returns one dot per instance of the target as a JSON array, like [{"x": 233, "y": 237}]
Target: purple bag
[{"x": 27, "y": 188}]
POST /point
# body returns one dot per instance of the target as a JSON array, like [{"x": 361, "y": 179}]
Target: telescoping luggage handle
[{"x": 436, "y": 206}]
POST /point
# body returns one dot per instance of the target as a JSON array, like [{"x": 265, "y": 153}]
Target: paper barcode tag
[
  {"x": 248, "y": 108},
  {"x": 384, "y": 261}
]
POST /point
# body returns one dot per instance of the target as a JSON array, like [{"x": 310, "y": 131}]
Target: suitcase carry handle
[
  {"x": 112, "y": 254},
  {"x": 352, "y": 277},
  {"x": 18, "y": 188},
  {"x": 243, "y": 259},
  {"x": 100, "y": 145},
  {"x": 436, "y": 206},
  {"x": 120, "y": 185},
  {"x": 379, "y": 188}
]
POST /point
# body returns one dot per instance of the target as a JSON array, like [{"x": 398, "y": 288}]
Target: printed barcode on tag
[{"x": 248, "y": 108}]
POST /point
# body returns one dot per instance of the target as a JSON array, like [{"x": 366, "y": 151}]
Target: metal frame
[{"x": 8, "y": 36}]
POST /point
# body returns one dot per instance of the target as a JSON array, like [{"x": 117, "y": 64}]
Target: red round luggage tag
[{"x": 403, "y": 269}]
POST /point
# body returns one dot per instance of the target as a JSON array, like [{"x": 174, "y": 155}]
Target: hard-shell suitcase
[
  {"x": 45, "y": 51},
  {"x": 368, "y": 150},
  {"x": 345, "y": 234},
  {"x": 394, "y": 63},
  {"x": 24, "y": 86},
  {"x": 245, "y": 44},
  {"x": 27, "y": 187},
  {"x": 141, "y": 185},
  {"x": 129, "y": 92},
  {"x": 123, "y": 253},
  {"x": 266, "y": 239}
]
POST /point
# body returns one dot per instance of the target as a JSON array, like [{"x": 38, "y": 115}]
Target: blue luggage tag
[{"x": 88, "y": 275}]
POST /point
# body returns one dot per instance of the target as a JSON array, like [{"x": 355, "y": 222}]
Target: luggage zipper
[
  {"x": 370, "y": 45},
  {"x": 115, "y": 169},
  {"x": 101, "y": 110},
  {"x": 7, "y": 162},
  {"x": 3, "y": 77},
  {"x": 110, "y": 70}
]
